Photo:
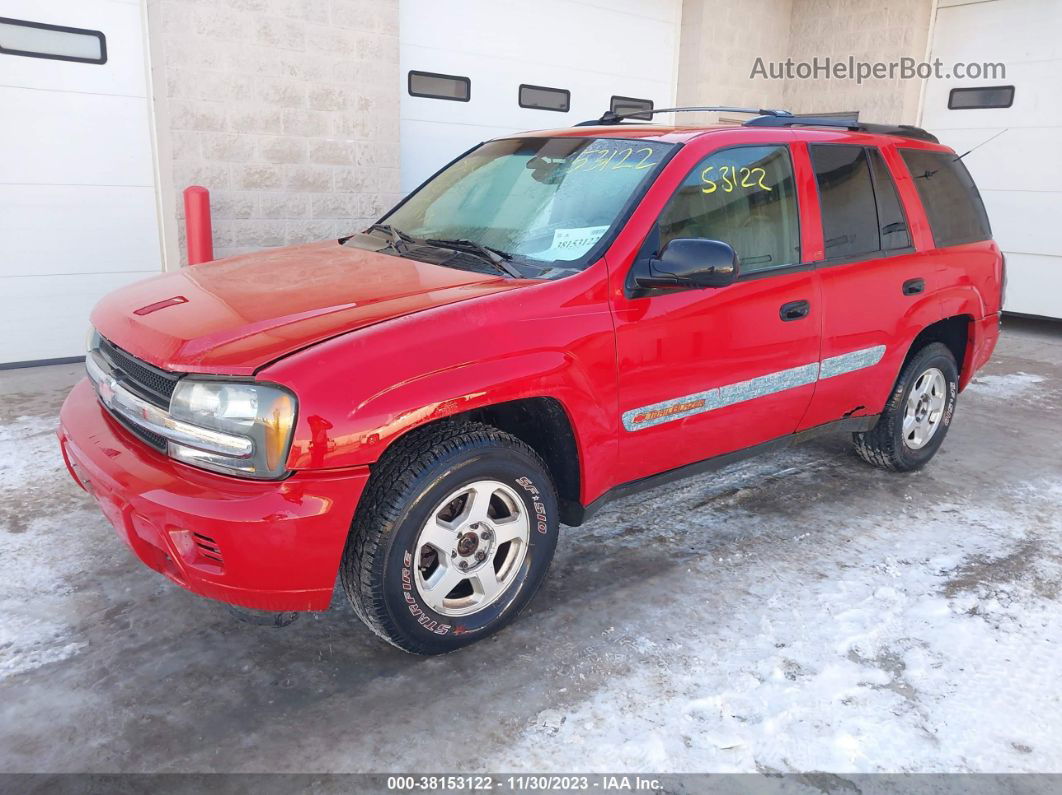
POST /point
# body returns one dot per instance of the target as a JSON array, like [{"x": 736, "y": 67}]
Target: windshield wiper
[
  {"x": 397, "y": 236},
  {"x": 499, "y": 259}
]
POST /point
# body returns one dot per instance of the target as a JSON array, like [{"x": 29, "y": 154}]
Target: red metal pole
[{"x": 197, "y": 225}]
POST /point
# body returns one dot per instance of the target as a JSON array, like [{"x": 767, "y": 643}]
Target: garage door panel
[
  {"x": 78, "y": 206},
  {"x": 995, "y": 31},
  {"x": 562, "y": 32},
  {"x": 595, "y": 50},
  {"x": 71, "y": 138},
  {"x": 77, "y": 229},
  {"x": 1020, "y": 172},
  {"x": 494, "y": 101},
  {"x": 46, "y": 317},
  {"x": 1034, "y": 282},
  {"x": 1031, "y": 107},
  {"x": 1025, "y": 220},
  {"x": 1027, "y": 158},
  {"x": 447, "y": 142},
  {"x": 121, "y": 25}
]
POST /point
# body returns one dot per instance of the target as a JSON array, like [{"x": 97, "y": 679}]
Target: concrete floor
[{"x": 802, "y": 611}]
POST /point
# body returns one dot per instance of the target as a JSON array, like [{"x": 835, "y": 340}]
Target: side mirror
[{"x": 691, "y": 262}]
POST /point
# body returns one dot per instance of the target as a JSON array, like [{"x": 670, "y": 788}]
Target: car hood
[{"x": 237, "y": 315}]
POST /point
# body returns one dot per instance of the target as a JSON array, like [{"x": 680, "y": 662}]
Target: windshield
[{"x": 542, "y": 201}]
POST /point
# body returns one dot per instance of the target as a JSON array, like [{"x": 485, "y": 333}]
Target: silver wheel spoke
[
  {"x": 480, "y": 503},
  {"x": 509, "y": 531},
  {"x": 908, "y": 423},
  {"x": 487, "y": 584},
  {"x": 441, "y": 583},
  {"x": 438, "y": 535}
]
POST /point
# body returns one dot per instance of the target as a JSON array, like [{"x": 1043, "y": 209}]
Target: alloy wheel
[
  {"x": 471, "y": 548},
  {"x": 924, "y": 408}
]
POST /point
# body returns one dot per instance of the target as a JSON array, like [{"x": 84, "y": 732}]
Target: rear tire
[
  {"x": 917, "y": 416},
  {"x": 452, "y": 538}
]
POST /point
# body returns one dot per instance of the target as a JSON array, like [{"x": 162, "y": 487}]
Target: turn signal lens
[{"x": 278, "y": 431}]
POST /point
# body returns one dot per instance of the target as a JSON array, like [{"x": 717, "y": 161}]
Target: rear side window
[
  {"x": 949, "y": 196},
  {"x": 743, "y": 196},
  {"x": 846, "y": 194},
  {"x": 892, "y": 224}
]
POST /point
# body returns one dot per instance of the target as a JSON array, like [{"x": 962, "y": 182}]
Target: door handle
[
  {"x": 914, "y": 286},
  {"x": 794, "y": 310}
]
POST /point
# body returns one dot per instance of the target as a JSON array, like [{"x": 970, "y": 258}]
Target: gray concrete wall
[
  {"x": 287, "y": 110},
  {"x": 721, "y": 40}
]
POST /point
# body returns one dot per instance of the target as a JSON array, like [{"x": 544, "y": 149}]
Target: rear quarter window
[{"x": 953, "y": 206}]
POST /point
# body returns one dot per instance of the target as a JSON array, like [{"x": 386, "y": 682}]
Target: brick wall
[
  {"x": 287, "y": 110},
  {"x": 722, "y": 39}
]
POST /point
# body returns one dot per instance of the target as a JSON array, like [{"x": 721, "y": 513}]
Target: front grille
[
  {"x": 143, "y": 434},
  {"x": 142, "y": 379},
  {"x": 149, "y": 382}
]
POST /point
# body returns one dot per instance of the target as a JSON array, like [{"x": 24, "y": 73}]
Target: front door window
[{"x": 744, "y": 196}]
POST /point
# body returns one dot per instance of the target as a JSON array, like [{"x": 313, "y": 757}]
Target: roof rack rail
[
  {"x": 611, "y": 117},
  {"x": 906, "y": 130}
]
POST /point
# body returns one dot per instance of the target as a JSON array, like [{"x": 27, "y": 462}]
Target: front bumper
[{"x": 264, "y": 545}]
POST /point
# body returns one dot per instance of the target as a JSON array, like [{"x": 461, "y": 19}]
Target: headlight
[
  {"x": 263, "y": 414},
  {"x": 92, "y": 340}
]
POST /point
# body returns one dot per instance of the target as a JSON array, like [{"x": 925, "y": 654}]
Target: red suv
[{"x": 554, "y": 319}]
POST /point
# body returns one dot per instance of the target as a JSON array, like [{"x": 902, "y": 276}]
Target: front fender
[{"x": 361, "y": 392}]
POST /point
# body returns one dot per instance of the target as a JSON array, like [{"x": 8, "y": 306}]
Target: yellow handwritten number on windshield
[{"x": 600, "y": 159}]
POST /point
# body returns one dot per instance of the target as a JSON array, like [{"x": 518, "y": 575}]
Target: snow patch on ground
[
  {"x": 1006, "y": 387},
  {"x": 35, "y": 566},
  {"x": 940, "y": 656}
]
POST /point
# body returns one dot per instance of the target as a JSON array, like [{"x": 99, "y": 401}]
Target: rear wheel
[
  {"x": 916, "y": 418},
  {"x": 452, "y": 538}
]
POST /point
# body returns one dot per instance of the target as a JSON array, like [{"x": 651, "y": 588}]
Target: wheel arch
[
  {"x": 955, "y": 333},
  {"x": 543, "y": 423}
]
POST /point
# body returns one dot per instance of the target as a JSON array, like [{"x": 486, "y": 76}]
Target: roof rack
[
  {"x": 906, "y": 130},
  {"x": 611, "y": 117}
]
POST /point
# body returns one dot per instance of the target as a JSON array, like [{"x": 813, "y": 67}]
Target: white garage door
[
  {"x": 1020, "y": 172},
  {"x": 486, "y": 50},
  {"x": 78, "y": 211}
]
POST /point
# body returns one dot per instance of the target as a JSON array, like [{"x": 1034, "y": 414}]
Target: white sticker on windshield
[{"x": 569, "y": 244}]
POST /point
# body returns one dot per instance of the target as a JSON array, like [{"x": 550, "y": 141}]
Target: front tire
[
  {"x": 452, "y": 538},
  {"x": 916, "y": 419}
]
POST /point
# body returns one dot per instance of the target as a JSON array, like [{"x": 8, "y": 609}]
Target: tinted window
[
  {"x": 745, "y": 197},
  {"x": 38, "y": 40},
  {"x": 630, "y": 105},
  {"x": 542, "y": 98},
  {"x": 949, "y": 196},
  {"x": 891, "y": 221},
  {"x": 436, "y": 86},
  {"x": 846, "y": 194},
  {"x": 985, "y": 97}
]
